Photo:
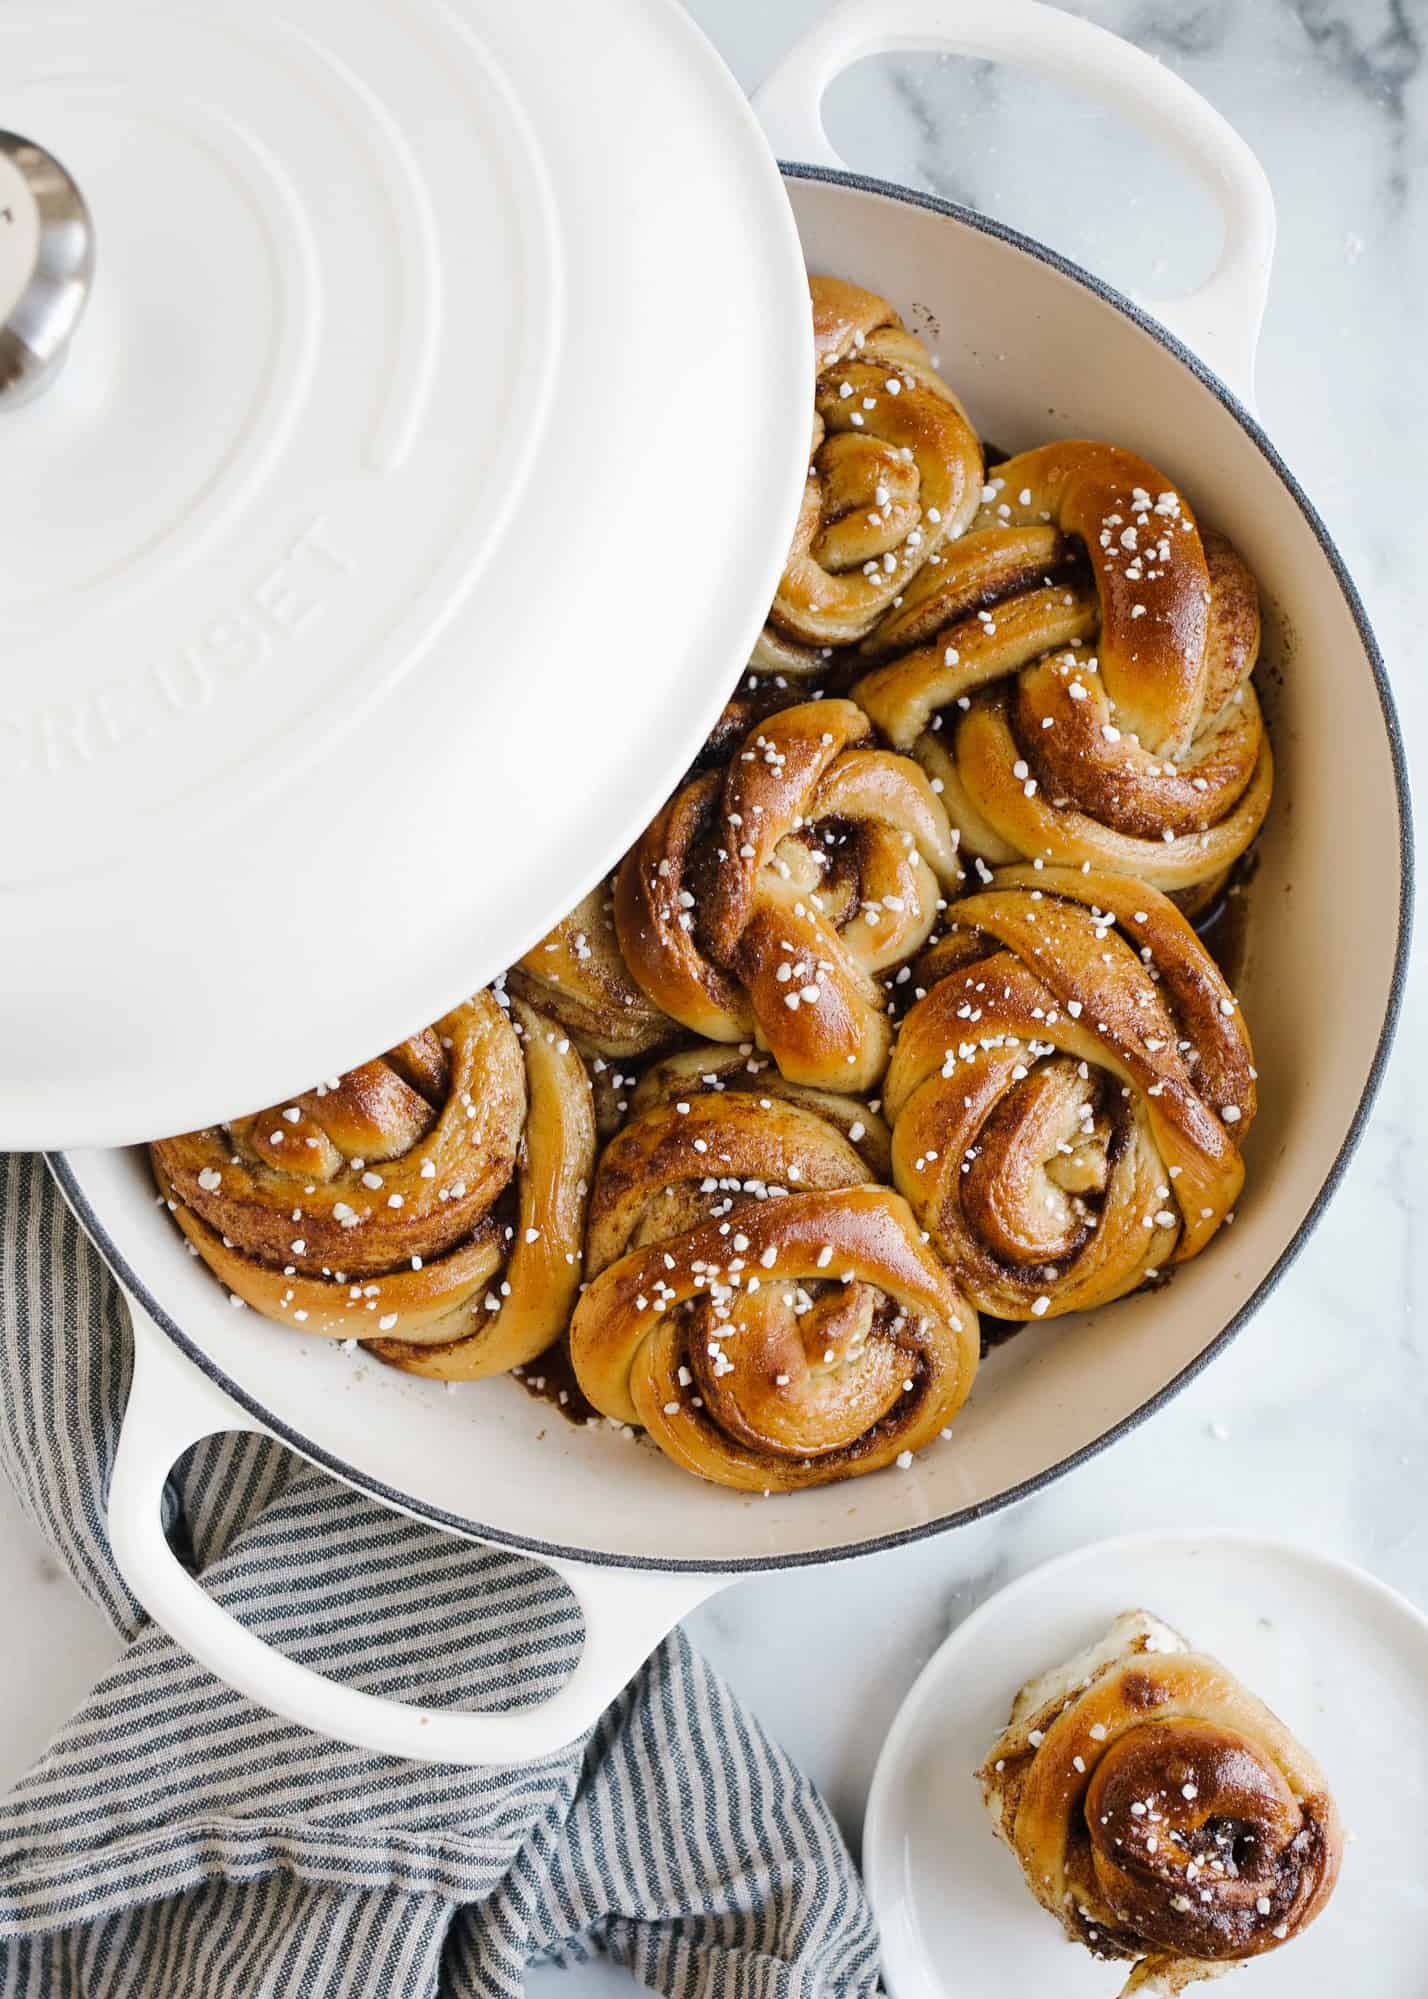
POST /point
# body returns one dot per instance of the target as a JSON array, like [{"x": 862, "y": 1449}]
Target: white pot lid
[{"x": 416, "y": 483}]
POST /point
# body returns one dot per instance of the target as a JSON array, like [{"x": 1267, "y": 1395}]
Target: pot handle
[
  {"x": 1221, "y": 320},
  {"x": 172, "y": 1405}
]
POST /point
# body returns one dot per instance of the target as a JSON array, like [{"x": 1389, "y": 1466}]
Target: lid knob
[{"x": 46, "y": 264}]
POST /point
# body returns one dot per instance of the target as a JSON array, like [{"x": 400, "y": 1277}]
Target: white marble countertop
[{"x": 1315, "y": 1424}]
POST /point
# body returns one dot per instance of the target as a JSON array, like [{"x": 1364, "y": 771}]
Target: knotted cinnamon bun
[
  {"x": 430, "y": 1204},
  {"x": 1075, "y": 674},
  {"x": 895, "y": 468},
  {"x": 710, "y": 1065},
  {"x": 776, "y": 658},
  {"x": 577, "y": 977},
  {"x": 1069, "y": 1098},
  {"x": 770, "y": 1318},
  {"x": 1160, "y": 1811},
  {"x": 766, "y": 901}
]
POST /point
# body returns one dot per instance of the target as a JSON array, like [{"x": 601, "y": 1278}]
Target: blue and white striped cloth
[{"x": 177, "y": 1840}]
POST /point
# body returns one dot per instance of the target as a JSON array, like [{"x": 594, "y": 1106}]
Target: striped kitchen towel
[{"x": 177, "y": 1840}]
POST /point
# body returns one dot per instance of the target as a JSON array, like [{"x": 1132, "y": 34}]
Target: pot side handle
[
  {"x": 1221, "y": 321},
  {"x": 171, "y": 1405}
]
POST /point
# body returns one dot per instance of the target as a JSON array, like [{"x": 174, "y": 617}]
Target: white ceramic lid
[{"x": 418, "y": 478}]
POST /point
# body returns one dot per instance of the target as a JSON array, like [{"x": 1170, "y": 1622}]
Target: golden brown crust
[
  {"x": 1069, "y": 1098},
  {"x": 430, "y": 1204},
  {"x": 1161, "y": 1812},
  {"x": 895, "y": 467},
  {"x": 767, "y": 902},
  {"x": 777, "y": 657},
  {"x": 741, "y": 714},
  {"x": 654, "y": 917},
  {"x": 710, "y": 1066},
  {"x": 577, "y": 977},
  {"x": 771, "y": 1320},
  {"x": 1106, "y": 717}
]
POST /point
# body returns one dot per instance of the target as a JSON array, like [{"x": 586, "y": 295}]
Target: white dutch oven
[{"x": 1036, "y": 347}]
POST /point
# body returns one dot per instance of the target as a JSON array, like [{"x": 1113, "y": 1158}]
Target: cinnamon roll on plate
[
  {"x": 1159, "y": 1810},
  {"x": 1154, "y": 1761}
]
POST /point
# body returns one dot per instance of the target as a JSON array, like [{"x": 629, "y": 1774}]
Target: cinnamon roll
[
  {"x": 430, "y": 1204},
  {"x": 711, "y": 1065},
  {"x": 577, "y": 977},
  {"x": 747, "y": 708},
  {"x": 1161, "y": 1812},
  {"x": 776, "y": 658},
  {"x": 895, "y": 468},
  {"x": 1069, "y": 1097},
  {"x": 1075, "y": 675},
  {"x": 767, "y": 901},
  {"x": 771, "y": 1319}
]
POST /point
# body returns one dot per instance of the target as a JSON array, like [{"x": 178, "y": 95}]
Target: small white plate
[{"x": 1340, "y": 1657}]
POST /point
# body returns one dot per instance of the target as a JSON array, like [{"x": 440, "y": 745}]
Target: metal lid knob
[{"x": 46, "y": 264}]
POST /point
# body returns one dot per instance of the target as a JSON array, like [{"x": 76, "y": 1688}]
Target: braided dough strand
[
  {"x": 707, "y": 1066},
  {"x": 576, "y": 976}
]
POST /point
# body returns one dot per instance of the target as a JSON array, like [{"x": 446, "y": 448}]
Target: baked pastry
[
  {"x": 1075, "y": 674},
  {"x": 766, "y": 901},
  {"x": 1160, "y": 1811},
  {"x": 746, "y": 709},
  {"x": 776, "y": 657},
  {"x": 770, "y": 1318},
  {"x": 712, "y": 1065},
  {"x": 577, "y": 978},
  {"x": 895, "y": 468},
  {"x": 430, "y": 1204},
  {"x": 1069, "y": 1098}
]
